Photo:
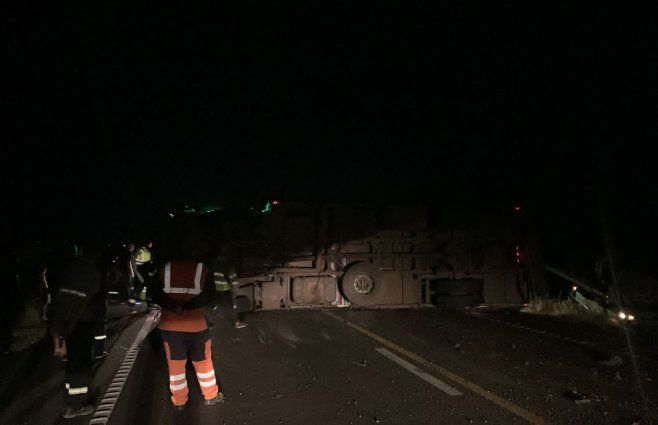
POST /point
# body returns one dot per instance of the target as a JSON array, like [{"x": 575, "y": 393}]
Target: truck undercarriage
[{"x": 341, "y": 255}]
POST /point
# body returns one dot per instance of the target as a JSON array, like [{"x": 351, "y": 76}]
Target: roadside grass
[{"x": 547, "y": 306}]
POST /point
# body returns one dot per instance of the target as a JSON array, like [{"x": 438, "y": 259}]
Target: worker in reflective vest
[
  {"x": 145, "y": 267},
  {"x": 184, "y": 290},
  {"x": 227, "y": 285}
]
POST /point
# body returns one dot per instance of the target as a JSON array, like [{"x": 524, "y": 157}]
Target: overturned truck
[{"x": 302, "y": 255}]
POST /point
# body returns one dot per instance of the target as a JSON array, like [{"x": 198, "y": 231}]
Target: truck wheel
[{"x": 361, "y": 284}]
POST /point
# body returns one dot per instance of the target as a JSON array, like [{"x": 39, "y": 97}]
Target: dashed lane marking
[
  {"x": 111, "y": 396},
  {"x": 419, "y": 373},
  {"x": 492, "y": 397}
]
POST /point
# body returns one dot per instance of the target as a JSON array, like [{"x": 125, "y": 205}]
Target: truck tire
[
  {"x": 362, "y": 284},
  {"x": 457, "y": 301}
]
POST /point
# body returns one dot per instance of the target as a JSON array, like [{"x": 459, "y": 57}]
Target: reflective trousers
[
  {"x": 100, "y": 313},
  {"x": 78, "y": 366},
  {"x": 196, "y": 345}
]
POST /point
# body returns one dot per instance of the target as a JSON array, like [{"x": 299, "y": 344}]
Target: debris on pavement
[
  {"x": 580, "y": 398},
  {"x": 574, "y": 394},
  {"x": 599, "y": 397},
  {"x": 613, "y": 361}
]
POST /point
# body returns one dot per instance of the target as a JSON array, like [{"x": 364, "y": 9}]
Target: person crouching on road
[{"x": 184, "y": 288}]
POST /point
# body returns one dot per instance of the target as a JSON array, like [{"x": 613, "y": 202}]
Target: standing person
[
  {"x": 227, "y": 285},
  {"x": 184, "y": 288},
  {"x": 145, "y": 267},
  {"x": 117, "y": 279},
  {"x": 136, "y": 279},
  {"x": 72, "y": 325},
  {"x": 50, "y": 276}
]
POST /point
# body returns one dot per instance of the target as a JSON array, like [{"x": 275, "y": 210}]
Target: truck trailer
[{"x": 311, "y": 255}]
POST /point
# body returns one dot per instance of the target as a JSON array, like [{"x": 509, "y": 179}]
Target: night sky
[{"x": 114, "y": 116}]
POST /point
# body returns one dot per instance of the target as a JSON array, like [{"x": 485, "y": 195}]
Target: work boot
[
  {"x": 218, "y": 399},
  {"x": 239, "y": 324},
  {"x": 74, "y": 412}
]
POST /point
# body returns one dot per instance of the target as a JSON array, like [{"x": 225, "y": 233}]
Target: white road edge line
[
  {"x": 419, "y": 373},
  {"x": 111, "y": 397}
]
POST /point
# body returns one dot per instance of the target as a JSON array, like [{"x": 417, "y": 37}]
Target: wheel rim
[{"x": 364, "y": 284}]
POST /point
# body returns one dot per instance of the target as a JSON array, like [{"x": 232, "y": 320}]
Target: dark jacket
[{"x": 78, "y": 292}]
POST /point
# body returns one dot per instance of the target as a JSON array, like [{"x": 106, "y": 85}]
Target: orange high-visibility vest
[
  {"x": 184, "y": 278},
  {"x": 181, "y": 281}
]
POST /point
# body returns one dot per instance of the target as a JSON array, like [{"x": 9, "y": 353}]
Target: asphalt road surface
[
  {"x": 32, "y": 381},
  {"x": 423, "y": 366},
  {"x": 396, "y": 367}
]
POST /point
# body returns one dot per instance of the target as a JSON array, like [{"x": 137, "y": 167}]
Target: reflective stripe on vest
[
  {"x": 167, "y": 278},
  {"x": 197, "y": 277},
  {"x": 169, "y": 289}
]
